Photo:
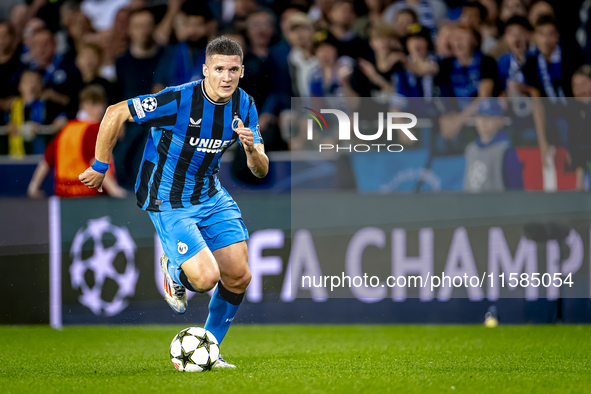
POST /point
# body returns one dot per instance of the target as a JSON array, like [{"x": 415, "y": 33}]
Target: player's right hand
[{"x": 92, "y": 179}]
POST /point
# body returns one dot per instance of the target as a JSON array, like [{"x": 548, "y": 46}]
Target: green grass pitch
[{"x": 316, "y": 359}]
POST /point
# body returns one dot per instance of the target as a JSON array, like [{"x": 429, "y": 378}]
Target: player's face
[{"x": 222, "y": 74}]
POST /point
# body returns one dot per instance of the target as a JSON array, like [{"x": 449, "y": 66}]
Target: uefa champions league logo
[{"x": 100, "y": 265}]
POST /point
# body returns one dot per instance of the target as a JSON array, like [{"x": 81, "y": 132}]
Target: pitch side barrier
[{"x": 95, "y": 261}]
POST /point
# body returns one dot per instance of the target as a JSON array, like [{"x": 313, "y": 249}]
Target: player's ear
[
  {"x": 205, "y": 70},
  {"x": 242, "y": 71}
]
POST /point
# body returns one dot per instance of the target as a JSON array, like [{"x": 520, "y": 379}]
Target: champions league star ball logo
[
  {"x": 149, "y": 104},
  {"x": 112, "y": 260}
]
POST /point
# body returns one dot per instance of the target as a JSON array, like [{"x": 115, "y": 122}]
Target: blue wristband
[{"x": 99, "y": 166}]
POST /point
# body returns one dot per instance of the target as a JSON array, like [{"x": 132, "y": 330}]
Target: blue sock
[{"x": 222, "y": 308}]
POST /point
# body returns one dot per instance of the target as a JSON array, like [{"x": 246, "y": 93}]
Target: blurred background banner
[{"x": 109, "y": 273}]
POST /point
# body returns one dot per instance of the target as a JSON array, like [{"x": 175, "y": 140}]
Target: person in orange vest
[{"x": 72, "y": 151}]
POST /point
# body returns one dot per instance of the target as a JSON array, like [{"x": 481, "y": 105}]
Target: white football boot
[
  {"x": 174, "y": 294},
  {"x": 221, "y": 363}
]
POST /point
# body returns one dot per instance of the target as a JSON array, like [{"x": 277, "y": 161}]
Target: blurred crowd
[{"x": 52, "y": 51}]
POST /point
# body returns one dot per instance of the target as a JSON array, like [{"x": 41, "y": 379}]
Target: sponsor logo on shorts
[
  {"x": 182, "y": 247},
  {"x": 138, "y": 108}
]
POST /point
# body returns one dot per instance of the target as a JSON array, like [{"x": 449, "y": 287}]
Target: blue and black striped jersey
[{"x": 189, "y": 134}]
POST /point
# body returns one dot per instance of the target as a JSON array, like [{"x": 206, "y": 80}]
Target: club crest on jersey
[
  {"x": 235, "y": 122},
  {"x": 149, "y": 104},
  {"x": 182, "y": 247},
  {"x": 209, "y": 145}
]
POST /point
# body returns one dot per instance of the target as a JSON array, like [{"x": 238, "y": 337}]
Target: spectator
[
  {"x": 468, "y": 73},
  {"x": 389, "y": 54},
  {"x": 183, "y": 62},
  {"x": 549, "y": 70},
  {"x": 511, "y": 8},
  {"x": 88, "y": 61},
  {"x": 10, "y": 67},
  {"x": 27, "y": 115},
  {"x": 72, "y": 151},
  {"x": 7, "y": 6},
  {"x": 80, "y": 30},
  {"x": 341, "y": 18},
  {"x": 62, "y": 80},
  {"x": 259, "y": 32},
  {"x": 538, "y": 9},
  {"x": 517, "y": 37},
  {"x": 492, "y": 164},
  {"x": 492, "y": 10},
  {"x": 375, "y": 16},
  {"x": 325, "y": 81},
  {"x": 135, "y": 74},
  {"x": 302, "y": 61},
  {"x": 329, "y": 82},
  {"x": 136, "y": 67},
  {"x": 33, "y": 26},
  {"x": 102, "y": 12},
  {"x": 278, "y": 102},
  {"x": 473, "y": 15},
  {"x": 443, "y": 42},
  {"x": 430, "y": 12},
  {"x": 235, "y": 13},
  {"x": 416, "y": 77},
  {"x": 319, "y": 13},
  {"x": 65, "y": 44},
  {"x": 580, "y": 144},
  {"x": 19, "y": 16},
  {"x": 403, "y": 19},
  {"x": 114, "y": 43}
]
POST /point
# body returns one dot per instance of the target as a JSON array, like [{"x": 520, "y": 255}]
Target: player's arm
[
  {"x": 256, "y": 159},
  {"x": 108, "y": 134}
]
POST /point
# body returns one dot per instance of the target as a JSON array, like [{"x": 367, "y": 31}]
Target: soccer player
[{"x": 199, "y": 224}]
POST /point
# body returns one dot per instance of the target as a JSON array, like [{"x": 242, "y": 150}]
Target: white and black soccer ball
[{"x": 194, "y": 349}]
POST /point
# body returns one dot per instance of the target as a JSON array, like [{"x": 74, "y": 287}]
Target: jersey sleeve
[
  {"x": 158, "y": 109},
  {"x": 253, "y": 123}
]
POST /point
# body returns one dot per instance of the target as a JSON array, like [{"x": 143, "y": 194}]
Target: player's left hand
[
  {"x": 246, "y": 136},
  {"x": 92, "y": 179}
]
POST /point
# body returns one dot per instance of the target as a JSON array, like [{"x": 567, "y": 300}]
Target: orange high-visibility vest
[{"x": 70, "y": 161}]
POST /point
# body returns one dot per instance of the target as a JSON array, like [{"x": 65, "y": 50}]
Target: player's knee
[
  {"x": 206, "y": 279},
  {"x": 239, "y": 282}
]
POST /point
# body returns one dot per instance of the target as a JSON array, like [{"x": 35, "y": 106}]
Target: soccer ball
[{"x": 194, "y": 349}]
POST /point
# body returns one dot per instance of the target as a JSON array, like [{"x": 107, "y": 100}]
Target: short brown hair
[
  {"x": 224, "y": 46},
  {"x": 94, "y": 94}
]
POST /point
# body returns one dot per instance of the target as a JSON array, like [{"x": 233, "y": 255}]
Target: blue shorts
[{"x": 183, "y": 232}]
